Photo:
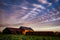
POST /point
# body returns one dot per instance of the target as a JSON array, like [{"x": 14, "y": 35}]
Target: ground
[{"x": 27, "y": 37}]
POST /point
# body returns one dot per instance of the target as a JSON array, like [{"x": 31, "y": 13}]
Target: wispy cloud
[
  {"x": 39, "y": 6},
  {"x": 29, "y": 12},
  {"x": 45, "y": 2}
]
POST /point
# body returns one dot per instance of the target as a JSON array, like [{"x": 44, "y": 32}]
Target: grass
[{"x": 27, "y": 37}]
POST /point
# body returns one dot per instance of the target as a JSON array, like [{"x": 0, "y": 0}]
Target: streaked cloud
[
  {"x": 39, "y": 6},
  {"x": 14, "y": 13},
  {"x": 43, "y": 1}
]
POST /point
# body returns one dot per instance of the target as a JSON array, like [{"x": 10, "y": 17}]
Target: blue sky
[{"x": 29, "y": 11}]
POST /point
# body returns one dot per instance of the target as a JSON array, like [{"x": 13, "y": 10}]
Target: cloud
[
  {"x": 18, "y": 15},
  {"x": 23, "y": 13},
  {"x": 34, "y": 12},
  {"x": 52, "y": 15},
  {"x": 13, "y": 17},
  {"x": 39, "y": 6},
  {"x": 45, "y": 2},
  {"x": 24, "y": 8}
]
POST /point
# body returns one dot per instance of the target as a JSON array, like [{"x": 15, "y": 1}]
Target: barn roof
[
  {"x": 26, "y": 28},
  {"x": 18, "y": 29},
  {"x": 14, "y": 29}
]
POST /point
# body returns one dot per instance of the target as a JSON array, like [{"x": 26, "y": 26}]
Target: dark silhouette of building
[
  {"x": 12, "y": 31},
  {"x": 21, "y": 30},
  {"x": 44, "y": 33},
  {"x": 29, "y": 31},
  {"x": 26, "y": 29}
]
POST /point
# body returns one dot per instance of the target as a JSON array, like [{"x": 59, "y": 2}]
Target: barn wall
[{"x": 6, "y": 31}]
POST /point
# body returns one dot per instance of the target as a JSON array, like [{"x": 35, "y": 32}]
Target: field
[{"x": 27, "y": 37}]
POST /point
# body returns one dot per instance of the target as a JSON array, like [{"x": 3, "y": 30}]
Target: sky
[{"x": 32, "y": 13}]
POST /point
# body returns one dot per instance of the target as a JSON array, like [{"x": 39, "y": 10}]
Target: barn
[
  {"x": 21, "y": 30},
  {"x": 26, "y": 29},
  {"x": 12, "y": 31}
]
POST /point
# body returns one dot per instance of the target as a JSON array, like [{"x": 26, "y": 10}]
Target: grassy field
[{"x": 27, "y": 37}]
